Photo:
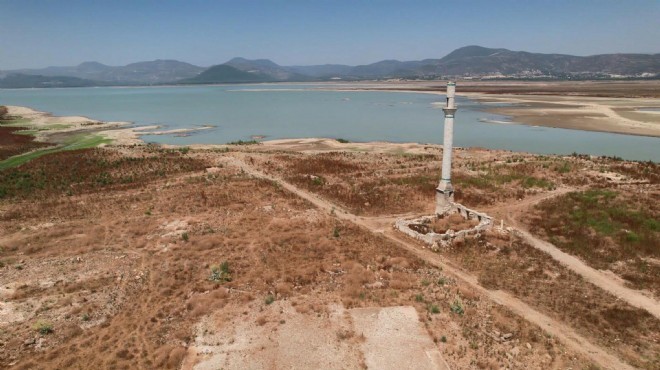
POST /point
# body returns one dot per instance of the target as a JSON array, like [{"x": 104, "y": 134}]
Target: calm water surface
[{"x": 297, "y": 111}]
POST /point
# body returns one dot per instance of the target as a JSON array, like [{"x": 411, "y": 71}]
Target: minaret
[{"x": 445, "y": 192}]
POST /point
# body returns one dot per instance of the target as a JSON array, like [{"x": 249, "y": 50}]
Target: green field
[{"x": 81, "y": 141}]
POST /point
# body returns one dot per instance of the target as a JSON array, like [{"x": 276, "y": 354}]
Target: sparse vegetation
[
  {"x": 84, "y": 171},
  {"x": 604, "y": 228},
  {"x": 457, "y": 307},
  {"x": 43, "y": 327},
  {"x": 542, "y": 282},
  {"x": 241, "y": 142},
  {"x": 77, "y": 142},
  {"x": 221, "y": 273},
  {"x": 281, "y": 248}
]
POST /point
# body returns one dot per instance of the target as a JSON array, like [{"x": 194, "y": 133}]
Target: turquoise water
[{"x": 239, "y": 112}]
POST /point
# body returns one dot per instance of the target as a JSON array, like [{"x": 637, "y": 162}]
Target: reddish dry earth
[
  {"x": 12, "y": 144},
  {"x": 114, "y": 248},
  {"x": 109, "y": 268}
]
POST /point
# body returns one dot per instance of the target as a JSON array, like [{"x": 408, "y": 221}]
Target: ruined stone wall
[{"x": 431, "y": 238}]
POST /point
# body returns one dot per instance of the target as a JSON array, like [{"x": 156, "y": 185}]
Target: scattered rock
[
  {"x": 507, "y": 336},
  {"x": 30, "y": 341},
  {"x": 376, "y": 285},
  {"x": 529, "y": 346}
]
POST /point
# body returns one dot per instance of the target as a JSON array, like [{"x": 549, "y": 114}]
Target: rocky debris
[
  {"x": 175, "y": 228},
  {"x": 375, "y": 285},
  {"x": 213, "y": 170},
  {"x": 507, "y": 336}
]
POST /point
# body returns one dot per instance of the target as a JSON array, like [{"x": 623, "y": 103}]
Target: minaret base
[{"x": 444, "y": 198}]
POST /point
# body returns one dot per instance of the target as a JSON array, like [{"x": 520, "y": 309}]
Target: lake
[{"x": 239, "y": 112}]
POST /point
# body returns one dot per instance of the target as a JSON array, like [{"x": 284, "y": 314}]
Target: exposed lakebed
[{"x": 240, "y": 112}]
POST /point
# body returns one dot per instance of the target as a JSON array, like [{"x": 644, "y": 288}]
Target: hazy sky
[{"x": 37, "y": 33}]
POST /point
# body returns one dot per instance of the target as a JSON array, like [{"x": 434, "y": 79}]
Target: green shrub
[
  {"x": 241, "y": 142},
  {"x": 220, "y": 273},
  {"x": 457, "y": 307},
  {"x": 269, "y": 299},
  {"x": 43, "y": 327}
]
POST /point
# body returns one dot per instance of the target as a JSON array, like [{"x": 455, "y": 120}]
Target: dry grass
[
  {"x": 608, "y": 230},
  {"x": 12, "y": 144},
  {"x": 89, "y": 170},
  {"x": 507, "y": 263},
  {"x": 454, "y": 222},
  {"x": 117, "y": 262},
  {"x": 381, "y": 184}
]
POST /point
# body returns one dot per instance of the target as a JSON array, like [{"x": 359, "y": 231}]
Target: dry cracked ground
[{"x": 145, "y": 257}]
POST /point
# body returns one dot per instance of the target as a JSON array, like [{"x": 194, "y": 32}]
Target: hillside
[
  {"x": 224, "y": 73},
  {"x": 151, "y": 72},
  {"x": 19, "y": 80},
  {"x": 268, "y": 68},
  {"x": 466, "y": 62},
  {"x": 479, "y": 60}
]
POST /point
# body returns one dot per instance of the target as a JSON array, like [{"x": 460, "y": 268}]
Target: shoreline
[
  {"x": 596, "y": 114},
  {"x": 617, "y": 115},
  {"x": 48, "y": 127},
  {"x": 126, "y": 133}
]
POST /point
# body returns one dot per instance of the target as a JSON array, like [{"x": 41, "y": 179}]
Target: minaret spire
[{"x": 445, "y": 191}]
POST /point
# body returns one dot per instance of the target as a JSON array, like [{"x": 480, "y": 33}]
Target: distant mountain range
[
  {"x": 467, "y": 62},
  {"x": 154, "y": 72}
]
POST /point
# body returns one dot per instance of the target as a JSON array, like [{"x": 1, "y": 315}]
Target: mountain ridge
[{"x": 471, "y": 61}]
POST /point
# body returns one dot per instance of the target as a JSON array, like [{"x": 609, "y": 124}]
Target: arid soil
[
  {"x": 282, "y": 254},
  {"x": 118, "y": 257},
  {"x": 117, "y": 267},
  {"x": 12, "y": 144}
]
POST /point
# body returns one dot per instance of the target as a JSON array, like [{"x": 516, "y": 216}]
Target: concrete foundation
[{"x": 415, "y": 227}]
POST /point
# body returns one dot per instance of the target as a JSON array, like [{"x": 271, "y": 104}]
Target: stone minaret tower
[{"x": 445, "y": 192}]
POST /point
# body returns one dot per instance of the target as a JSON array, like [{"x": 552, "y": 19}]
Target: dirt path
[
  {"x": 563, "y": 332},
  {"x": 610, "y": 284}
]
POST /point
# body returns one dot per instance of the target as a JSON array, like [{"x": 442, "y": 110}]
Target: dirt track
[
  {"x": 596, "y": 277},
  {"x": 564, "y": 333}
]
